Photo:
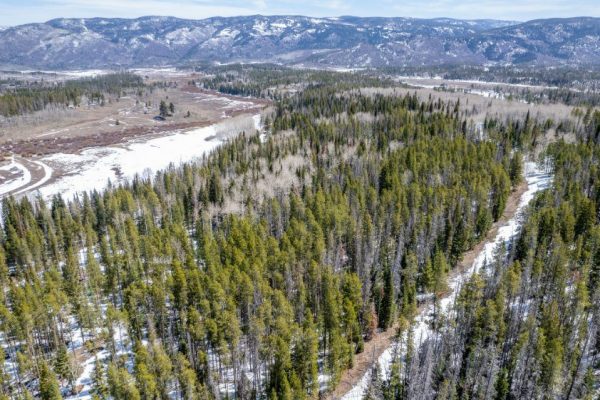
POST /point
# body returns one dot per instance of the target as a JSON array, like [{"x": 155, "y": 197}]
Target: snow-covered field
[
  {"x": 402, "y": 78},
  {"x": 69, "y": 174},
  {"x": 93, "y": 168},
  {"x": 92, "y": 73},
  {"x": 47, "y": 175},
  {"x": 537, "y": 180}
]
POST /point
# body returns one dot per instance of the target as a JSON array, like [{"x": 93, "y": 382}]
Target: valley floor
[{"x": 66, "y": 165}]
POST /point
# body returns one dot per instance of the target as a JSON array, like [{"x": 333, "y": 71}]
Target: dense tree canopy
[{"x": 197, "y": 284}]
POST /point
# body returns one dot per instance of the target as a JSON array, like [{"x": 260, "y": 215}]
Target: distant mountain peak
[{"x": 346, "y": 41}]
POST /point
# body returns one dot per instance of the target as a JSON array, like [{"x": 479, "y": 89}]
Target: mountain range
[{"x": 297, "y": 40}]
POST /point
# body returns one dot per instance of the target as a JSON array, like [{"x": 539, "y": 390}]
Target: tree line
[{"x": 31, "y": 98}]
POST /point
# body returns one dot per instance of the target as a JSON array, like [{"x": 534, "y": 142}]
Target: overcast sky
[{"x": 14, "y": 12}]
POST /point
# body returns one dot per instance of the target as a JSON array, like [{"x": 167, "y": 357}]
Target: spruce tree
[
  {"x": 387, "y": 300},
  {"x": 49, "y": 386}
]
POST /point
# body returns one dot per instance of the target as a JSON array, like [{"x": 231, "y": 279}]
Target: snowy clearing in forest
[{"x": 94, "y": 168}]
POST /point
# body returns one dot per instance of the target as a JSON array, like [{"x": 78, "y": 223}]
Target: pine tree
[
  {"x": 387, "y": 301},
  {"x": 306, "y": 357},
  {"x": 516, "y": 169},
  {"x": 49, "y": 387},
  {"x": 63, "y": 365},
  {"x": 163, "y": 368},
  {"x": 439, "y": 272},
  {"x": 163, "y": 109},
  {"x": 99, "y": 384},
  {"x": 215, "y": 191},
  {"x": 4, "y": 376},
  {"x": 409, "y": 286},
  {"x": 121, "y": 384},
  {"x": 502, "y": 385}
]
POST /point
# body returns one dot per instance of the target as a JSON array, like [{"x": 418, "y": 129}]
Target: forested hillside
[
  {"x": 345, "y": 41},
  {"x": 261, "y": 271},
  {"x": 526, "y": 327},
  {"x": 274, "y": 81}
]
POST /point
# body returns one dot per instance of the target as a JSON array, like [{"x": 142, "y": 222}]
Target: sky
[{"x": 15, "y": 12}]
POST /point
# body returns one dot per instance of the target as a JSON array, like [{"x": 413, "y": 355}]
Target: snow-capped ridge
[{"x": 346, "y": 41}]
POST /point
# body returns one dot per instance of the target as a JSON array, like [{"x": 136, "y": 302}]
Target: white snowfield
[
  {"x": 472, "y": 81},
  {"x": 47, "y": 175},
  {"x": 92, "y": 169},
  {"x": 92, "y": 73},
  {"x": 95, "y": 167},
  {"x": 537, "y": 179}
]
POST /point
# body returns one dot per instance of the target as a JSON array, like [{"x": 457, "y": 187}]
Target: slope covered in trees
[
  {"x": 275, "y": 81},
  {"x": 36, "y": 97},
  {"x": 155, "y": 290},
  {"x": 527, "y": 326}
]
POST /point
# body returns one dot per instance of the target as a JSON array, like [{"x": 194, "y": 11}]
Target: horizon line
[{"x": 299, "y": 15}]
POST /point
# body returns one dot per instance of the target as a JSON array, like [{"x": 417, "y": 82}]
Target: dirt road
[{"x": 20, "y": 175}]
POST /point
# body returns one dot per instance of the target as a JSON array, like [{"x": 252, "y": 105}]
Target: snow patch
[{"x": 93, "y": 168}]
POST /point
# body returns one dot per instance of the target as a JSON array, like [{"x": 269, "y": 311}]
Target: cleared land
[{"x": 26, "y": 142}]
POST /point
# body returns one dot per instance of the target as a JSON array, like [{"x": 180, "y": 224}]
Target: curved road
[{"x": 23, "y": 176}]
